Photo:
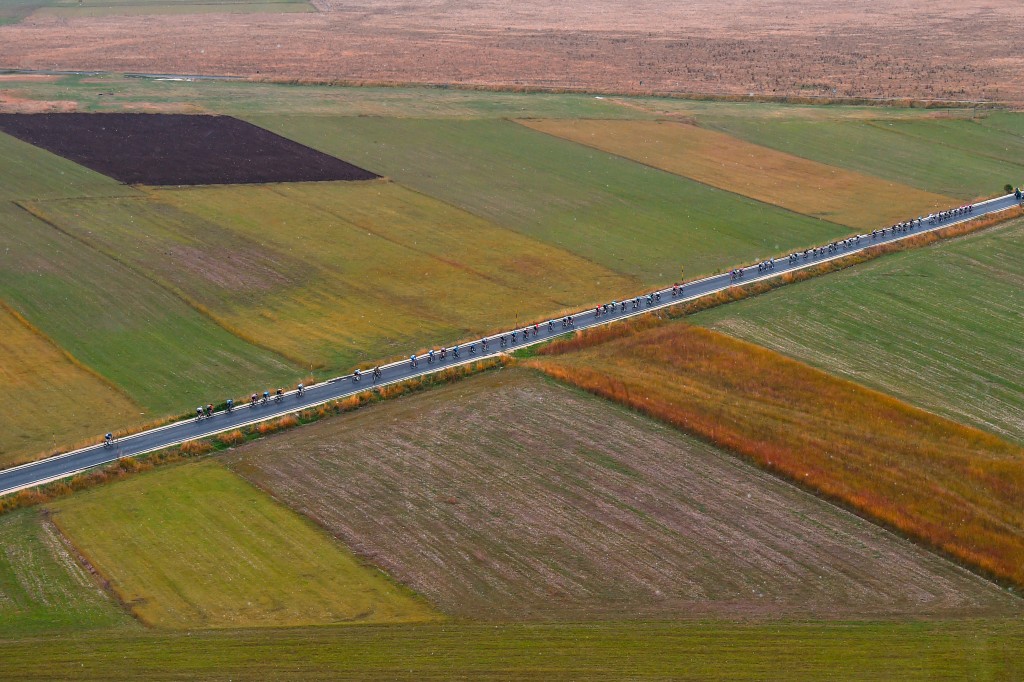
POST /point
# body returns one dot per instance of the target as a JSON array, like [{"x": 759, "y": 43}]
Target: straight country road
[{"x": 64, "y": 465}]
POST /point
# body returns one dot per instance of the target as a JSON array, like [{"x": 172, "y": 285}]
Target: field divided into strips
[
  {"x": 162, "y": 353},
  {"x": 195, "y": 546},
  {"x": 330, "y": 274},
  {"x": 509, "y": 497},
  {"x": 940, "y": 327},
  {"x": 45, "y": 383},
  {"x": 624, "y": 216},
  {"x": 879, "y": 148},
  {"x": 955, "y": 487},
  {"x": 43, "y": 589},
  {"x": 29, "y": 172},
  {"x": 726, "y": 162}
]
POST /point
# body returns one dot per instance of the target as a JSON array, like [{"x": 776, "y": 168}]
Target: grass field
[
  {"x": 165, "y": 355},
  {"x": 955, "y": 487},
  {"x": 876, "y": 652},
  {"x": 635, "y": 220},
  {"x": 878, "y": 147},
  {"x": 47, "y": 382},
  {"x": 330, "y": 274},
  {"x": 509, "y": 497},
  {"x": 14, "y": 11},
  {"x": 195, "y": 546},
  {"x": 42, "y": 587},
  {"x": 30, "y": 173},
  {"x": 939, "y": 327},
  {"x": 726, "y": 162}
]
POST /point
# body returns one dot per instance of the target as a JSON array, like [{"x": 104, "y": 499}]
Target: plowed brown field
[{"x": 508, "y": 496}]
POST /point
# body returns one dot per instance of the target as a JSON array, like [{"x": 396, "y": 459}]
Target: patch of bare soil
[
  {"x": 508, "y": 497},
  {"x": 943, "y": 49}
]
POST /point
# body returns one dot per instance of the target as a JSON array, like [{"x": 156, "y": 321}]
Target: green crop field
[
  {"x": 940, "y": 327},
  {"x": 194, "y": 545},
  {"x": 636, "y": 220},
  {"x": 43, "y": 588},
  {"x": 330, "y": 274},
  {"x": 875, "y": 652},
  {"x": 882, "y": 148},
  {"x": 29, "y": 172},
  {"x": 144, "y": 339}
]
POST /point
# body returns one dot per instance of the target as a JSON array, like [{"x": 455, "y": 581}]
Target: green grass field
[
  {"x": 635, "y": 220},
  {"x": 146, "y": 340},
  {"x": 330, "y": 274},
  {"x": 875, "y": 652},
  {"x": 43, "y": 588},
  {"x": 31, "y": 173},
  {"x": 940, "y": 327},
  {"x": 930, "y": 158},
  {"x": 196, "y": 546}
]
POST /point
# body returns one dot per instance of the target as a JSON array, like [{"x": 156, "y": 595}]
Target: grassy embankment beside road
[
  {"x": 939, "y": 327},
  {"x": 951, "y": 486}
]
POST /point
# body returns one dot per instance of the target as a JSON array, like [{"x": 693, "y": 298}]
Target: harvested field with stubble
[
  {"x": 507, "y": 496},
  {"x": 762, "y": 173},
  {"x": 951, "y": 486},
  {"x": 177, "y": 149}
]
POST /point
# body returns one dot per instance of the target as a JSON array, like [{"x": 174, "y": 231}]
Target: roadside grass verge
[
  {"x": 949, "y": 486},
  {"x": 876, "y": 147},
  {"x": 196, "y": 546},
  {"x": 729, "y": 163},
  {"x": 510, "y": 497},
  {"x": 809, "y": 652},
  {"x": 43, "y": 382},
  {"x": 128, "y": 466},
  {"x": 42, "y": 586},
  {"x": 140, "y": 337},
  {"x": 940, "y": 327},
  {"x": 629, "y": 218}
]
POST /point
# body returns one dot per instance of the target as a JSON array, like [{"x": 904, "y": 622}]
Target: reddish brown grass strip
[{"x": 950, "y": 486}]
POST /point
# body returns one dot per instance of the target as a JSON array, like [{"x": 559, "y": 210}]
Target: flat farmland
[
  {"x": 955, "y": 487},
  {"x": 165, "y": 355},
  {"x": 877, "y": 147},
  {"x": 195, "y": 546},
  {"x": 329, "y": 274},
  {"x": 635, "y": 220},
  {"x": 42, "y": 586},
  {"x": 939, "y": 327},
  {"x": 752, "y": 170},
  {"x": 509, "y": 497},
  {"x": 47, "y": 382},
  {"x": 33, "y": 173},
  {"x": 969, "y": 135}
]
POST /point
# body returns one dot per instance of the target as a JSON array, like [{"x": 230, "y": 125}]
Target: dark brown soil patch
[{"x": 177, "y": 149}]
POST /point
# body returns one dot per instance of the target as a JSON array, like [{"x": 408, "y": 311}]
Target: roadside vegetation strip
[
  {"x": 950, "y": 486},
  {"x": 607, "y": 209},
  {"x": 42, "y": 381},
  {"x": 873, "y": 148},
  {"x": 137, "y": 335},
  {"x": 123, "y": 467},
  {"x": 509, "y": 497},
  {"x": 729, "y": 163},
  {"x": 43, "y": 589},
  {"x": 194, "y": 545},
  {"x": 940, "y": 327},
  {"x": 915, "y": 652}
]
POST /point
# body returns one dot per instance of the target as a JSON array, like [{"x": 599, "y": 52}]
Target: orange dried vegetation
[{"x": 953, "y": 487}]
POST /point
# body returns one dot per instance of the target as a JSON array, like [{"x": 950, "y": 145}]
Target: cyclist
[
  {"x": 278, "y": 395},
  {"x": 300, "y": 390},
  {"x": 513, "y": 336},
  {"x": 108, "y": 440},
  {"x": 228, "y": 404},
  {"x": 376, "y": 372},
  {"x": 430, "y": 356},
  {"x": 483, "y": 344},
  {"x": 199, "y": 413},
  {"x": 455, "y": 350},
  {"x": 266, "y": 397},
  {"x": 209, "y": 410},
  {"x": 252, "y": 400},
  {"x": 412, "y": 360},
  {"x": 551, "y": 327},
  {"x": 472, "y": 349},
  {"x": 355, "y": 375}
]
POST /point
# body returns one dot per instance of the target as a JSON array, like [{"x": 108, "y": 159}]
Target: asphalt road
[{"x": 61, "y": 466}]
